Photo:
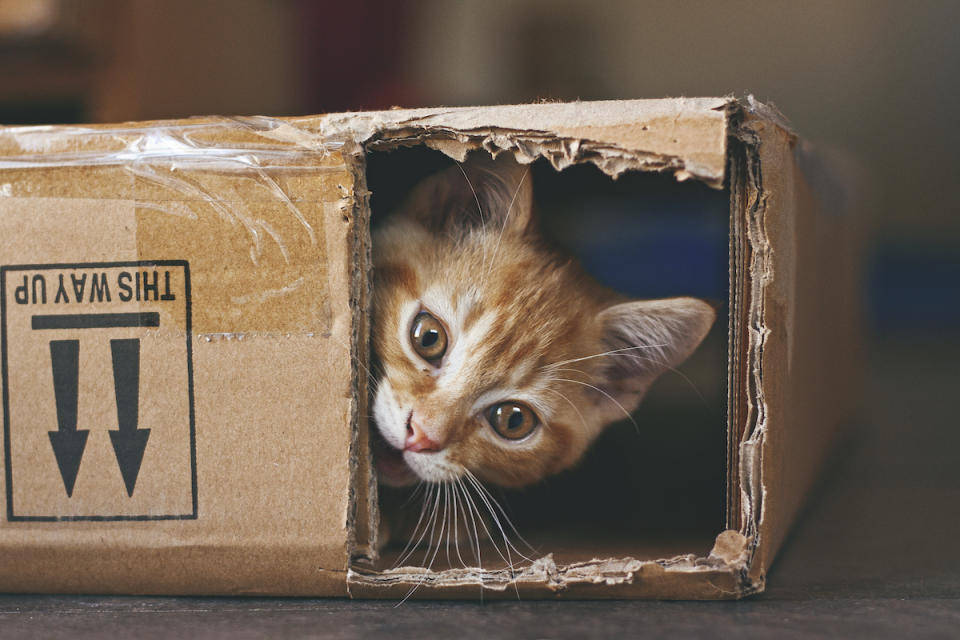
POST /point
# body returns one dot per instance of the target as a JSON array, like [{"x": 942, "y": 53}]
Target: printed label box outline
[{"x": 8, "y": 463}]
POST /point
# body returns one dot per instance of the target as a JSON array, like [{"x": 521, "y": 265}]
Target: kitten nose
[{"x": 417, "y": 440}]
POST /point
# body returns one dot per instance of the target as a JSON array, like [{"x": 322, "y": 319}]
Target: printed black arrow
[
  {"x": 67, "y": 441},
  {"x": 129, "y": 442}
]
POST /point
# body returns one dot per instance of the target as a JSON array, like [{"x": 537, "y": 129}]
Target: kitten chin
[{"x": 391, "y": 468}]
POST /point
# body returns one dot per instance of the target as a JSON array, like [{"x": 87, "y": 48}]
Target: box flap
[
  {"x": 685, "y": 136},
  {"x": 796, "y": 363}
]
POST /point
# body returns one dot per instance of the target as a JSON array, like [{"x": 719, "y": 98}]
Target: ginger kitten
[{"x": 501, "y": 360}]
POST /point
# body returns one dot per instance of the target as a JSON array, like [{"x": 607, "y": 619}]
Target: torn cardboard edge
[
  {"x": 684, "y": 136},
  {"x": 363, "y": 517},
  {"x": 544, "y": 577}
]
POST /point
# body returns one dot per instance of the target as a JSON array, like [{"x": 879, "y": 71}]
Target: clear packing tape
[
  {"x": 171, "y": 154},
  {"x": 220, "y": 192},
  {"x": 228, "y": 144}
]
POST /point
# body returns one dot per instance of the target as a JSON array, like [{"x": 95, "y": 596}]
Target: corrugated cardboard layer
[
  {"x": 613, "y": 578},
  {"x": 562, "y": 575}
]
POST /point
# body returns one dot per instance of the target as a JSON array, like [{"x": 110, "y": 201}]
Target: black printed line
[
  {"x": 121, "y": 518},
  {"x": 96, "y": 320}
]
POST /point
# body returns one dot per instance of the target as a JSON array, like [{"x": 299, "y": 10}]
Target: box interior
[{"x": 650, "y": 491}]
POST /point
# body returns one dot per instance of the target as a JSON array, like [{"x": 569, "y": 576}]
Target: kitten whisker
[
  {"x": 424, "y": 510},
  {"x": 359, "y": 362},
  {"x": 476, "y": 534},
  {"x": 582, "y": 420},
  {"x": 443, "y": 525},
  {"x": 456, "y": 524},
  {"x": 607, "y": 353},
  {"x": 657, "y": 361},
  {"x": 507, "y": 559},
  {"x": 609, "y": 397},
  {"x": 446, "y": 511},
  {"x": 483, "y": 222},
  {"x": 405, "y": 554},
  {"x": 508, "y": 545},
  {"x": 411, "y": 545},
  {"x": 506, "y": 218},
  {"x": 572, "y": 370},
  {"x": 618, "y": 352},
  {"x": 430, "y": 545},
  {"x": 486, "y": 530},
  {"x": 414, "y": 493},
  {"x": 503, "y": 512},
  {"x": 476, "y": 198},
  {"x": 433, "y": 527},
  {"x": 474, "y": 537}
]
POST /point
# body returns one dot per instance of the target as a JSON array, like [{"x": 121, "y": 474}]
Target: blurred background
[{"x": 875, "y": 78}]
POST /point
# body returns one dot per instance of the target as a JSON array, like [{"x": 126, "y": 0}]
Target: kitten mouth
[{"x": 391, "y": 467}]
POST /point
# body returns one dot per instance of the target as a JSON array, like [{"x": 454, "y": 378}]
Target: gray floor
[{"x": 873, "y": 556}]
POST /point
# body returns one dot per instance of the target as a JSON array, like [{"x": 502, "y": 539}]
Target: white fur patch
[
  {"x": 433, "y": 466},
  {"x": 390, "y": 416}
]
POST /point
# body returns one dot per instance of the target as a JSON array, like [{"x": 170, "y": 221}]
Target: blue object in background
[
  {"x": 654, "y": 244},
  {"x": 662, "y": 258},
  {"x": 911, "y": 288}
]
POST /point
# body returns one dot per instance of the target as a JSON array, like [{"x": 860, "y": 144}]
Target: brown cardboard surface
[
  {"x": 255, "y": 477},
  {"x": 244, "y": 481}
]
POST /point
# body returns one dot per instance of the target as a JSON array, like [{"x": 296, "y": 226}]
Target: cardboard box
[{"x": 184, "y": 348}]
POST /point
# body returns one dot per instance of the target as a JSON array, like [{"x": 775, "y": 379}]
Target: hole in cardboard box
[{"x": 651, "y": 491}]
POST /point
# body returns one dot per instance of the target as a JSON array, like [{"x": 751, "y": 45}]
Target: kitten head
[{"x": 500, "y": 357}]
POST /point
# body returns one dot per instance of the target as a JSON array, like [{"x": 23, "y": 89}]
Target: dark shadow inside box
[{"x": 653, "y": 486}]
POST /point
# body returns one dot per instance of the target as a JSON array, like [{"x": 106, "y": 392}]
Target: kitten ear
[
  {"x": 480, "y": 193},
  {"x": 647, "y": 337}
]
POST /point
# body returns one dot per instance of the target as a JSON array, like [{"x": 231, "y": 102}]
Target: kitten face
[{"x": 499, "y": 356}]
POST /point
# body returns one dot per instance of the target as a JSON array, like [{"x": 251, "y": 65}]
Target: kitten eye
[
  {"x": 512, "y": 420},
  {"x": 428, "y": 337}
]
